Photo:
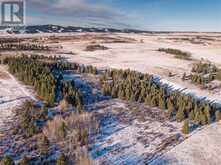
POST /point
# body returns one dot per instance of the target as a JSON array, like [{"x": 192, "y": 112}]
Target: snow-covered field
[
  {"x": 139, "y": 52},
  {"x": 12, "y": 94},
  {"x": 203, "y": 147},
  {"x": 122, "y": 146},
  {"x": 134, "y": 138},
  {"x": 132, "y": 134}
]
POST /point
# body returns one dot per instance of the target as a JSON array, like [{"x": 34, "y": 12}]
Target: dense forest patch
[{"x": 138, "y": 87}]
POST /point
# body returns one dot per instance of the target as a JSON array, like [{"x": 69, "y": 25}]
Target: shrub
[
  {"x": 78, "y": 128},
  {"x": 7, "y": 160},
  {"x": 62, "y": 160},
  {"x": 83, "y": 157},
  {"x": 64, "y": 104},
  {"x": 44, "y": 145},
  {"x": 24, "y": 161},
  {"x": 31, "y": 130},
  {"x": 54, "y": 129},
  {"x": 95, "y": 47}
]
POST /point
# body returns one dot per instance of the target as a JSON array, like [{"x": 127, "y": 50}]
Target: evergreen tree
[
  {"x": 185, "y": 128},
  {"x": 207, "y": 111},
  {"x": 62, "y": 160},
  {"x": 24, "y": 161},
  {"x": 203, "y": 119},
  {"x": 154, "y": 102},
  {"x": 197, "y": 118},
  {"x": 147, "y": 100},
  {"x": 162, "y": 104},
  {"x": 218, "y": 115},
  {"x": 191, "y": 115},
  {"x": 180, "y": 115}
]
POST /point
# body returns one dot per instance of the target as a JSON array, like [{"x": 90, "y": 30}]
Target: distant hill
[{"x": 61, "y": 29}]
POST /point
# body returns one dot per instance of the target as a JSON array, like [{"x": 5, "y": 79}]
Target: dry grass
[
  {"x": 83, "y": 157},
  {"x": 64, "y": 105},
  {"x": 4, "y": 75},
  {"x": 73, "y": 133},
  {"x": 51, "y": 129},
  {"x": 73, "y": 123}
]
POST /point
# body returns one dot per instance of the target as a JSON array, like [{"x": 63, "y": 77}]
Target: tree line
[
  {"x": 22, "y": 46},
  {"x": 124, "y": 84},
  {"x": 135, "y": 86},
  {"x": 46, "y": 78},
  {"x": 177, "y": 53}
]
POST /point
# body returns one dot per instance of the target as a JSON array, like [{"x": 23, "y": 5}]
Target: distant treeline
[
  {"x": 143, "y": 88},
  {"x": 22, "y": 46},
  {"x": 177, "y": 53}
]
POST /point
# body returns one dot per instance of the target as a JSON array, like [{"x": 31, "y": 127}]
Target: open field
[
  {"x": 12, "y": 94},
  {"x": 130, "y": 132},
  {"x": 201, "y": 148},
  {"x": 139, "y": 52}
]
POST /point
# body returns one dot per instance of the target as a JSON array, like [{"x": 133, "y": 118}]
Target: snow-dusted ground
[
  {"x": 139, "y": 52},
  {"x": 121, "y": 146},
  {"x": 132, "y": 135},
  {"x": 203, "y": 147},
  {"x": 119, "y": 142},
  {"x": 12, "y": 94}
]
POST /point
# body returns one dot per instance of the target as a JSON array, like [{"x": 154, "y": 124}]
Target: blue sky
[{"x": 157, "y": 15}]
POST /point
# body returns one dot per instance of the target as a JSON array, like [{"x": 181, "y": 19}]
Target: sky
[{"x": 152, "y": 15}]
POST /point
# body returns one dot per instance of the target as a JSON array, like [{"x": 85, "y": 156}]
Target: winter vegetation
[
  {"x": 46, "y": 78},
  {"x": 204, "y": 73},
  {"x": 115, "y": 101},
  {"x": 22, "y": 47},
  {"x": 135, "y": 86},
  {"x": 177, "y": 53},
  {"x": 68, "y": 128},
  {"x": 95, "y": 48}
]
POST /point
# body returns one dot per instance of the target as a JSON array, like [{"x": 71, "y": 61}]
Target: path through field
[{"x": 12, "y": 94}]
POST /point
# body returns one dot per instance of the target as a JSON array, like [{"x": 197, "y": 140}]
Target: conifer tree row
[
  {"x": 46, "y": 78},
  {"x": 22, "y": 46},
  {"x": 134, "y": 86}
]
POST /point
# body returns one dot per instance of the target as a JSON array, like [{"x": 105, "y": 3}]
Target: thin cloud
[
  {"x": 72, "y": 12},
  {"x": 74, "y": 8}
]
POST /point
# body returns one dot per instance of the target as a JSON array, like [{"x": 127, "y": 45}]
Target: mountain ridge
[{"x": 62, "y": 29}]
